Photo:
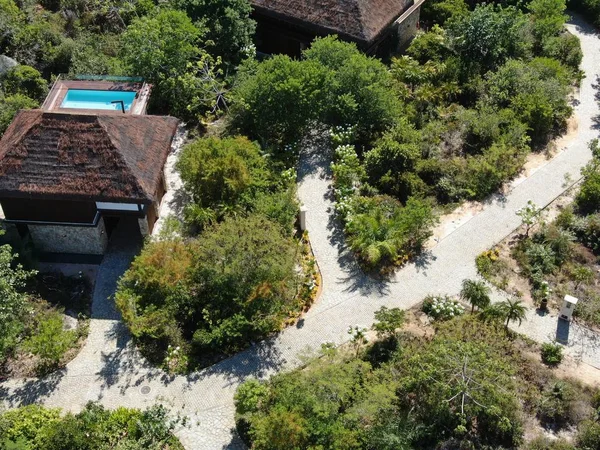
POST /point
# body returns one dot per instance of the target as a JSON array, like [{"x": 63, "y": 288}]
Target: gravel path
[{"x": 110, "y": 370}]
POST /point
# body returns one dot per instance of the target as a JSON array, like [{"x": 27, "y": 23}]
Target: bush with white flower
[
  {"x": 341, "y": 135},
  {"x": 442, "y": 307},
  {"x": 348, "y": 173},
  {"x": 176, "y": 361}
]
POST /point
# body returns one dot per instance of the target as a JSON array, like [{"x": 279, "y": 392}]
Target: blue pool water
[{"x": 90, "y": 99}]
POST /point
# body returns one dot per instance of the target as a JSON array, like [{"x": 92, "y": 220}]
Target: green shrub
[
  {"x": 26, "y": 81},
  {"x": 249, "y": 396},
  {"x": 552, "y": 354},
  {"x": 588, "y": 197},
  {"x": 222, "y": 171},
  {"x": 94, "y": 428},
  {"x": 536, "y": 91},
  {"x": 588, "y": 435},
  {"x": 383, "y": 232},
  {"x": 544, "y": 443},
  {"x": 278, "y": 98},
  {"x": 486, "y": 263},
  {"x": 389, "y": 166},
  {"x": 25, "y": 423},
  {"x": 13, "y": 302},
  {"x": 9, "y": 106},
  {"x": 235, "y": 283},
  {"x": 562, "y": 404},
  {"x": 49, "y": 341}
]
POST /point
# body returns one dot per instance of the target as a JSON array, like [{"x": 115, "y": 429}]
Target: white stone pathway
[{"x": 110, "y": 370}]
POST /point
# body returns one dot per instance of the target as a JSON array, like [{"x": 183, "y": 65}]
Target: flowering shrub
[
  {"x": 342, "y": 135},
  {"x": 442, "y": 307},
  {"x": 176, "y": 361},
  {"x": 348, "y": 173},
  {"x": 485, "y": 262}
]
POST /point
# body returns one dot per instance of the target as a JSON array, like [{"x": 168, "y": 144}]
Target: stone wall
[
  {"x": 407, "y": 29},
  {"x": 70, "y": 239}
]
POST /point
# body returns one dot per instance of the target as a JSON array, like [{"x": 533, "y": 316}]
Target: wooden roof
[
  {"x": 360, "y": 20},
  {"x": 114, "y": 158}
]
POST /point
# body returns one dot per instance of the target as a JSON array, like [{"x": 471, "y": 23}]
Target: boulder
[{"x": 6, "y": 64}]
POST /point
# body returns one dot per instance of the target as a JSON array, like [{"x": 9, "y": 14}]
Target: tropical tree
[
  {"x": 530, "y": 214},
  {"x": 229, "y": 28},
  {"x": 160, "y": 46},
  {"x": 476, "y": 292},
  {"x": 388, "y": 321},
  {"x": 511, "y": 311}
]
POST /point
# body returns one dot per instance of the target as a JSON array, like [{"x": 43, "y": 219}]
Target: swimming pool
[{"x": 94, "y": 99}]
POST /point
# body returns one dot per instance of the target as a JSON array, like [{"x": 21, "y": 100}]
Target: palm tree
[
  {"x": 512, "y": 310},
  {"x": 476, "y": 292}
]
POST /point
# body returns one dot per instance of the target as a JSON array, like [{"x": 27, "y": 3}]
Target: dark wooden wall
[{"x": 48, "y": 210}]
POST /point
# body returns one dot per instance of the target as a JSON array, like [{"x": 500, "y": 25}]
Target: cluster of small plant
[
  {"x": 552, "y": 354},
  {"x": 35, "y": 427},
  {"x": 32, "y": 307},
  {"x": 442, "y": 307}
]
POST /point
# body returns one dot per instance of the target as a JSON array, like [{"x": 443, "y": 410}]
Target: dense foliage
[
  {"x": 467, "y": 387},
  {"x": 232, "y": 176},
  {"x": 236, "y": 282},
  {"x": 34, "y": 427},
  {"x": 278, "y": 99},
  {"x": 238, "y": 273},
  {"x": 453, "y": 119},
  {"x": 182, "y": 47},
  {"x": 31, "y": 318}
]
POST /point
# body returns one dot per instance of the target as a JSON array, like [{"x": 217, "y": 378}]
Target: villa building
[
  {"x": 72, "y": 169},
  {"x": 376, "y": 26}
]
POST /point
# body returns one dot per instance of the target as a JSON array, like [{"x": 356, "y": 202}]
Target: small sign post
[
  {"x": 303, "y": 219},
  {"x": 566, "y": 312}
]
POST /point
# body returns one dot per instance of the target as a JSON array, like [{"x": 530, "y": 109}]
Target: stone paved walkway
[{"x": 110, "y": 370}]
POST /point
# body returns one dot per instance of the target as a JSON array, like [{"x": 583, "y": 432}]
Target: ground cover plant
[
  {"x": 556, "y": 258},
  {"x": 238, "y": 271},
  {"x": 35, "y": 427},
  {"x": 33, "y": 337},
  {"x": 470, "y": 385}
]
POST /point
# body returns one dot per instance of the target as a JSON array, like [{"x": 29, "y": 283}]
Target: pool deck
[{"x": 59, "y": 91}]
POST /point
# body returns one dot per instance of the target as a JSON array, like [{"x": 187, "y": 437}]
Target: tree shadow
[
  {"x": 497, "y": 198},
  {"x": 258, "y": 361},
  {"x": 424, "y": 260},
  {"x": 581, "y": 25},
  {"x": 585, "y": 342},
  {"x": 31, "y": 390},
  {"x": 315, "y": 156}
]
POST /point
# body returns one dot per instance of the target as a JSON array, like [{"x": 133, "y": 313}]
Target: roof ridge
[
  {"x": 121, "y": 156},
  {"x": 361, "y": 19}
]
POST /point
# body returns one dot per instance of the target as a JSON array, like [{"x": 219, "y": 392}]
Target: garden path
[{"x": 110, "y": 370}]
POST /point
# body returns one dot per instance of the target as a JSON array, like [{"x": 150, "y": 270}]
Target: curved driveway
[{"x": 109, "y": 369}]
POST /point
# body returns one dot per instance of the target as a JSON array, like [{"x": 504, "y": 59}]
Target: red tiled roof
[{"x": 84, "y": 157}]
